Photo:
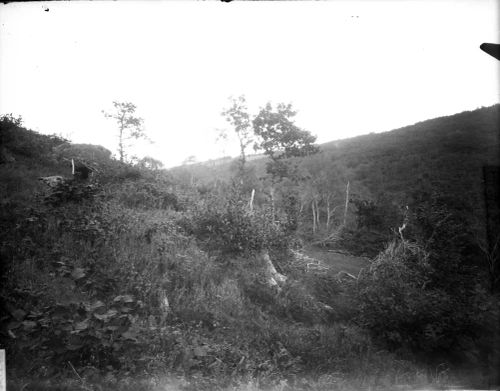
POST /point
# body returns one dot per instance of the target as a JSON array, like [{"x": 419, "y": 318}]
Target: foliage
[
  {"x": 87, "y": 152},
  {"x": 398, "y": 302},
  {"x": 439, "y": 222},
  {"x": 280, "y": 138},
  {"x": 150, "y": 163},
  {"x": 83, "y": 333},
  {"x": 146, "y": 194},
  {"x": 228, "y": 227},
  {"x": 86, "y": 280},
  {"x": 26, "y": 143},
  {"x": 71, "y": 191}
]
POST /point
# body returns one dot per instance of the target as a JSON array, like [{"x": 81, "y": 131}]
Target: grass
[{"x": 225, "y": 331}]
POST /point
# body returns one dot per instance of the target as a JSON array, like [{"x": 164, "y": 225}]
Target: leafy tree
[
  {"x": 237, "y": 115},
  {"x": 150, "y": 163},
  {"x": 280, "y": 138},
  {"x": 129, "y": 126}
]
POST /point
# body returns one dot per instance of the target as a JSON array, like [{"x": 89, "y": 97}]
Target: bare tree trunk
[
  {"x": 317, "y": 213},
  {"x": 120, "y": 138},
  {"x": 272, "y": 203},
  {"x": 120, "y": 144},
  {"x": 313, "y": 216},
  {"x": 251, "y": 200},
  {"x": 328, "y": 213},
  {"x": 346, "y": 202}
]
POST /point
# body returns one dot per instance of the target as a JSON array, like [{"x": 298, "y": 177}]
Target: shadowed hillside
[{"x": 215, "y": 276}]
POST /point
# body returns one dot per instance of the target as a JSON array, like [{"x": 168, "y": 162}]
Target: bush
[
  {"x": 145, "y": 194},
  {"x": 26, "y": 143},
  {"x": 397, "y": 302},
  {"x": 225, "y": 226}
]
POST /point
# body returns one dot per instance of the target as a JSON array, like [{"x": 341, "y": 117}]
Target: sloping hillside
[
  {"x": 139, "y": 278},
  {"x": 445, "y": 153},
  {"x": 443, "y": 156}
]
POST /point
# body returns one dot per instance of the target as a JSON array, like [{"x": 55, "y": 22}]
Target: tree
[
  {"x": 280, "y": 138},
  {"x": 129, "y": 126},
  {"x": 237, "y": 115},
  {"x": 325, "y": 190},
  {"x": 150, "y": 163}
]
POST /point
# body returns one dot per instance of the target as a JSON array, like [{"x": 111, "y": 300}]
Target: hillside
[
  {"x": 139, "y": 278},
  {"x": 445, "y": 153},
  {"x": 443, "y": 156}
]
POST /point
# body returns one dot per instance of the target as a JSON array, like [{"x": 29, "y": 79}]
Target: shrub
[
  {"x": 25, "y": 142},
  {"x": 145, "y": 194},
  {"x": 225, "y": 226},
  {"x": 397, "y": 302}
]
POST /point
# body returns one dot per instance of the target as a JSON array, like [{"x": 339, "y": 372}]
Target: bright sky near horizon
[{"x": 348, "y": 67}]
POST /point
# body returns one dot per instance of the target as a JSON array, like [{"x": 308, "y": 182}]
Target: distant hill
[{"x": 445, "y": 154}]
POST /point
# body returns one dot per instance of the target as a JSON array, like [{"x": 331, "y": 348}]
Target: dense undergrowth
[{"x": 145, "y": 283}]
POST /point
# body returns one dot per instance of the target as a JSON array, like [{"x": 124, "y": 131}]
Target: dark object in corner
[{"x": 493, "y": 49}]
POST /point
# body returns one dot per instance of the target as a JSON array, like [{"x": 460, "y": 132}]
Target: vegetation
[
  {"x": 237, "y": 115},
  {"x": 145, "y": 278},
  {"x": 129, "y": 126},
  {"x": 281, "y": 139}
]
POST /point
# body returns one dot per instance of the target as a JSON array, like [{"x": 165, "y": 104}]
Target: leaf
[
  {"x": 13, "y": 325},
  {"x": 106, "y": 316},
  {"x": 130, "y": 335},
  {"x": 96, "y": 305},
  {"x": 35, "y": 314},
  {"x": 78, "y": 273},
  {"x": 29, "y": 325},
  {"x": 18, "y": 314},
  {"x": 200, "y": 351},
  {"x": 66, "y": 327},
  {"x": 124, "y": 299},
  {"x": 83, "y": 325},
  {"x": 74, "y": 342},
  {"x": 59, "y": 312}
]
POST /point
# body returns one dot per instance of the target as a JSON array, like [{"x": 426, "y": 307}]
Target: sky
[{"x": 348, "y": 67}]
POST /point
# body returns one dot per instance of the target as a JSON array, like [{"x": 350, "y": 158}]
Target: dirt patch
[{"x": 337, "y": 261}]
